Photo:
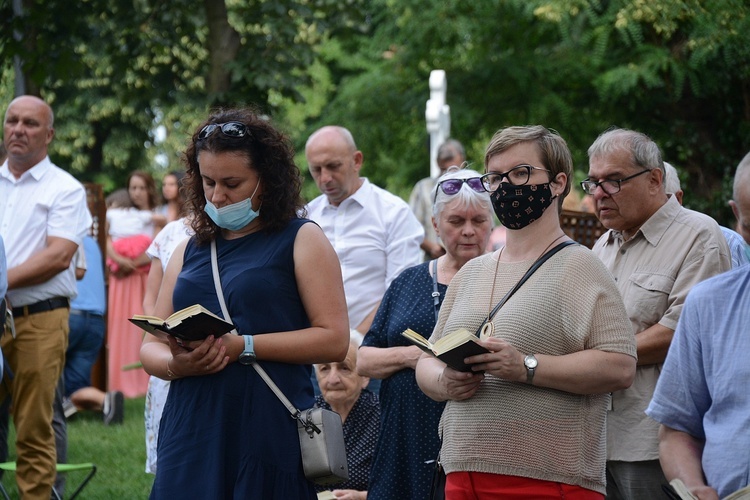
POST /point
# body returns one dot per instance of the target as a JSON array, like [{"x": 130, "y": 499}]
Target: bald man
[
  {"x": 43, "y": 219},
  {"x": 374, "y": 232},
  {"x": 740, "y": 201}
]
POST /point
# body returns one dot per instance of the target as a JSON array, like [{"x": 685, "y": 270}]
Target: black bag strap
[
  {"x": 435, "y": 292},
  {"x": 536, "y": 265}
]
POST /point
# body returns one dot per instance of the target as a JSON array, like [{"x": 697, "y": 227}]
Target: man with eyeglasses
[
  {"x": 374, "y": 232},
  {"x": 656, "y": 250},
  {"x": 43, "y": 219},
  {"x": 450, "y": 153}
]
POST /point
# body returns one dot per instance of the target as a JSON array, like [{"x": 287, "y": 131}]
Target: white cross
[{"x": 438, "y": 116}]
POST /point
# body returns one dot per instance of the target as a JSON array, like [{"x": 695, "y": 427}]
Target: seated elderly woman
[
  {"x": 344, "y": 391},
  {"x": 409, "y": 441}
]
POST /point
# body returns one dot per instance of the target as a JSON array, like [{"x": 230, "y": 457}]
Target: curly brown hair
[{"x": 270, "y": 154}]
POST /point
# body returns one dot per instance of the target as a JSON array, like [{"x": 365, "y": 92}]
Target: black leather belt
[{"x": 42, "y": 306}]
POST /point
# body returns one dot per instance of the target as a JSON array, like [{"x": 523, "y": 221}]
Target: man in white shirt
[
  {"x": 3, "y": 289},
  {"x": 3, "y": 280},
  {"x": 43, "y": 218},
  {"x": 374, "y": 232}
]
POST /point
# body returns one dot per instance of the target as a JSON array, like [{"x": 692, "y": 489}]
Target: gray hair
[
  {"x": 671, "y": 179},
  {"x": 467, "y": 196},
  {"x": 449, "y": 149},
  {"x": 643, "y": 151},
  {"x": 742, "y": 174}
]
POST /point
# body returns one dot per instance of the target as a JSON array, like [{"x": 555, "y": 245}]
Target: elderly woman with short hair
[{"x": 409, "y": 442}]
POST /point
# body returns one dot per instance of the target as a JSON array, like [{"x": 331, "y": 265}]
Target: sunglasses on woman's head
[
  {"x": 231, "y": 129},
  {"x": 453, "y": 186}
]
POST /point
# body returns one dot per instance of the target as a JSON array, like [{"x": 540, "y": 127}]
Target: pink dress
[{"x": 125, "y": 298}]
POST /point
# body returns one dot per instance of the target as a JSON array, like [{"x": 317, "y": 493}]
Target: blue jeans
[{"x": 84, "y": 343}]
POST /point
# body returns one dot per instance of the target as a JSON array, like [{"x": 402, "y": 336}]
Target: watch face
[
  {"x": 246, "y": 358},
  {"x": 530, "y": 362}
]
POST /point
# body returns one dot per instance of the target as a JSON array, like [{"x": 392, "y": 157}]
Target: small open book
[
  {"x": 451, "y": 349},
  {"x": 192, "y": 323},
  {"x": 682, "y": 492}
]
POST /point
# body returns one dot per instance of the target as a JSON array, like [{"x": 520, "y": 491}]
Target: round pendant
[{"x": 488, "y": 329}]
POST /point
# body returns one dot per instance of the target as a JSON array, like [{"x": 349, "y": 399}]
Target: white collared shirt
[
  {"x": 45, "y": 201},
  {"x": 376, "y": 236},
  {"x": 3, "y": 272}
]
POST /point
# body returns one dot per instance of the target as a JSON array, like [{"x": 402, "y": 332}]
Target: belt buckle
[{"x": 9, "y": 322}]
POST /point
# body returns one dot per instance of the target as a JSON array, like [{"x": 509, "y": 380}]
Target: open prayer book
[
  {"x": 684, "y": 494},
  {"x": 451, "y": 349},
  {"x": 192, "y": 323}
]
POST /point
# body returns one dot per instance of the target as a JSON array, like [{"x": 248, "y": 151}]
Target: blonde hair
[{"x": 552, "y": 148}]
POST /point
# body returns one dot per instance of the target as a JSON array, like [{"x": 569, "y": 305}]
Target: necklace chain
[{"x": 494, "y": 280}]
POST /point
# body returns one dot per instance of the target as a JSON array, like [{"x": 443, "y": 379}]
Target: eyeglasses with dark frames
[
  {"x": 609, "y": 186},
  {"x": 453, "y": 186},
  {"x": 516, "y": 176},
  {"x": 230, "y": 129}
]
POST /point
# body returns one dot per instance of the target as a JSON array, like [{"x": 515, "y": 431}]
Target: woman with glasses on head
[
  {"x": 529, "y": 420},
  {"x": 223, "y": 432},
  {"x": 408, "y": 442}
]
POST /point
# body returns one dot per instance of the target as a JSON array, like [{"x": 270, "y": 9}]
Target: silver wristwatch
[
  {"x": 530, "y": 362},
  {"x": 248, "y": 355}
]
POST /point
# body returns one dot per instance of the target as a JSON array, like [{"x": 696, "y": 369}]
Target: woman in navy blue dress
[
  {"x": 409, "y": 441},
  {"x": 223, "y": 433}
]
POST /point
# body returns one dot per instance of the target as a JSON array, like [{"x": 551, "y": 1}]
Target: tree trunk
[{"x": 223, "y": 45}]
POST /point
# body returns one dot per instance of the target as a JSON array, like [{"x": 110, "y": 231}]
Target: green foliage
[
  {"x": 678, "y": 70},
  {"x": 675, "y": 70},
  {"x": 116, "y": 70}
]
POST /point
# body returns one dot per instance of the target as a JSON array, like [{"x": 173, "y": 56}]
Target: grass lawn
[{"x": 118, "y": 451}]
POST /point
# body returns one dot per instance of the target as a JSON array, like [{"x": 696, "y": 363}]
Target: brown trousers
[{"x": 36, "y": 358}]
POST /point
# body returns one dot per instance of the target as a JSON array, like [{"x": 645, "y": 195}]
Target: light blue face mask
[{"x": 235, "y": 216}]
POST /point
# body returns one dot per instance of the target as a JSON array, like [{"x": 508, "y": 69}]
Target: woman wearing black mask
[{"x": 529, "y": 421}]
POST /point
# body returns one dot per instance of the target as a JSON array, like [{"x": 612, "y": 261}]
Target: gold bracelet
[{"x": 170, "y": 373}]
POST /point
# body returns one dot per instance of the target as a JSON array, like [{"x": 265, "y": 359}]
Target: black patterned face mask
[{"x": 519, "y": 206}]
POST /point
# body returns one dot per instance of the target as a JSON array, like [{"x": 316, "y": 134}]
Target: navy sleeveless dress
[{"x": 226, "y": 435}]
